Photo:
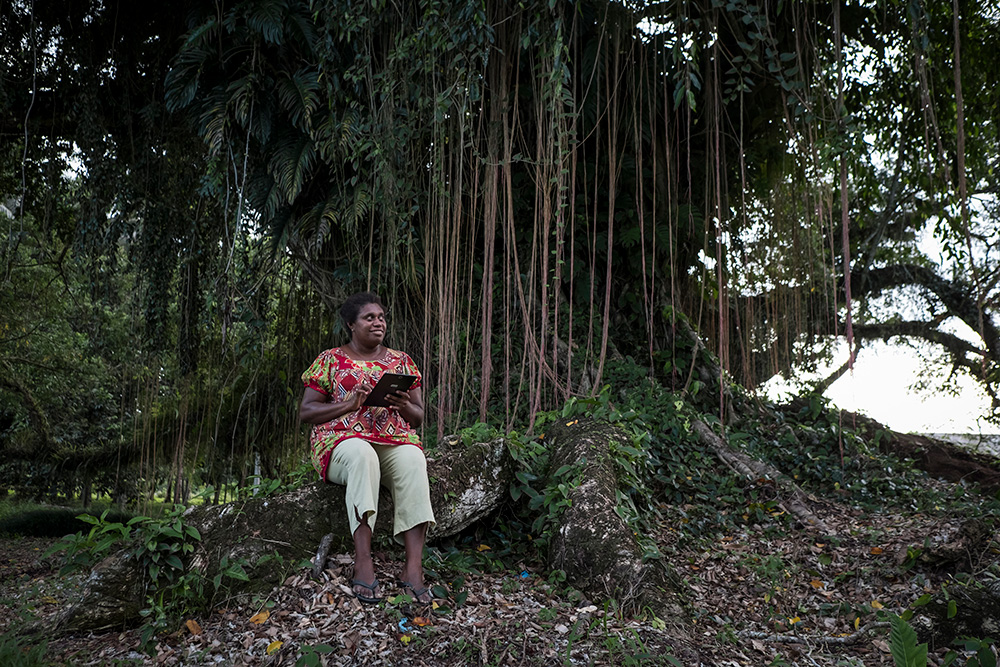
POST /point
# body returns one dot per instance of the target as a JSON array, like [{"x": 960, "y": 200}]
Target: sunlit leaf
[
  {"x": 260, "y": 617},
  {"x": 274, "y": 646}
]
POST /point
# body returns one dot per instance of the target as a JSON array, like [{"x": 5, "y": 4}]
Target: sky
[
  {"x": 884, "y": 384},
  {"x": 882, "y": 387}
]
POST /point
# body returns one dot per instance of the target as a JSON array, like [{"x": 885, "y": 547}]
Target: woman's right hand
[
  {"x": 357, "y": 396},
  {"x": 318, "y": 408}
]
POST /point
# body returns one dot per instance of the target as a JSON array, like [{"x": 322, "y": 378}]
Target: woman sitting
[{"x": 361, "y": 446}]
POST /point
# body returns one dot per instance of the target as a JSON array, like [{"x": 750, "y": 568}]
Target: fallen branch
[
  {"x": 846, "y": 640},
  {"x": 796, "y": 501}
]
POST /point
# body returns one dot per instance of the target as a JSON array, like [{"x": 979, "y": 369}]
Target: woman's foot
[
  {"x": 418, "y": 593},
  {"x": 365, "y": 585},
  {"x": 412, "y": 579},
  {"x": 367, "y": 593}
]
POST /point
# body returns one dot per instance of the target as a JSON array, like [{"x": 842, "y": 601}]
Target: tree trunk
[
  {"x": 593, "y": 544},
  {"x": 85, "y": 488},
  {"x": 271, "y": 536}
]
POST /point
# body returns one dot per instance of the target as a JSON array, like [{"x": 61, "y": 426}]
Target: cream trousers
[{"x": 361, "y": 466}]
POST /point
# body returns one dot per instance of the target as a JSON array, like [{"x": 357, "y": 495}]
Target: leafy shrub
[
  {"x": 13, "y": 653},
  {"x": 51, "y": 522}
]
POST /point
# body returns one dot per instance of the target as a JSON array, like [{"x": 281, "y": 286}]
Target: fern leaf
[{"x": 293, "y": 159}]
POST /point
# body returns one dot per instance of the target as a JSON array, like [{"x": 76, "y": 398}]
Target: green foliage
[
  {"x": 817, "y": 447},
  {"x": 982, "y": 652},
  {"x": 83, "y": 551},
  {"x": 311, "y": 655},
  {"x": 15, "y": 652},
  {"x": 264, "y": 487},
  {"x": 160, "y": 545},
  {"x": 903, "y": 645},
  {"x": 478, "y": 432}
]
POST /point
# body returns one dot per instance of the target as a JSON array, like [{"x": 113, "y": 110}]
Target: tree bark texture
[
  {"x": 271, "y": 536},
  {"x": 593, "y": 544}
]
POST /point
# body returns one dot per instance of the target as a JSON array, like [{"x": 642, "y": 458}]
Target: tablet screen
[{"x": 389, "y": 383}]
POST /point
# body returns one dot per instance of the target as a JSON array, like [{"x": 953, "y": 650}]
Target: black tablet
[{"x": 389, "y": 383}]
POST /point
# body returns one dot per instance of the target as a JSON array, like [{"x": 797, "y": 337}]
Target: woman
[{"x": 360, "y": 446}]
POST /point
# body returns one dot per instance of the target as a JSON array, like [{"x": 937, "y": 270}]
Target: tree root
[
  {"x": 322, "y": 553},
  {"x": 846, "y": 640},
  {"x": 592, "y": 544},
  {"x": 468, "y": 482},
  {"x": 796, "y": 501}
]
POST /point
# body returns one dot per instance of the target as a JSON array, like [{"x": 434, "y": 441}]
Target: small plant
[
  {"x": 454, "y": 596},
  {"x": 162, "y": 542},
  {"x": 310, "y": 655},
  {"x": 903, "y": 644},
  {"x": 478, "y": 432},
  {"x": 631, "y": 651},
  {"x": 15, "y": 654},
  {"x": 83, "y": 551},
  {"x": 982, "y": 653},
  {"x": 547, "y": 614}
]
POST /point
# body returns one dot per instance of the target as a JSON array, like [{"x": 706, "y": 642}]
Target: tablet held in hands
[{"x": 388, "y": 384}]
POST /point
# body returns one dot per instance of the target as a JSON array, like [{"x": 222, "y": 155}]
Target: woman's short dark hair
[{"x": 353, "y": 305}]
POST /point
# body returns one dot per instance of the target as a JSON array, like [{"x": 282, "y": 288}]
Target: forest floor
[{"x": 772, "y": 594}]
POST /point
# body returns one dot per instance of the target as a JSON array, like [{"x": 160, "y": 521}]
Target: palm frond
[
  {"x": 297, "y": 95},
  {"x": 267, "y": 19},
  {"x": 290, "y": 165}
]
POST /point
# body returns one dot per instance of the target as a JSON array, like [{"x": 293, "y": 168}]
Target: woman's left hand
[
  {"x": 399, "y": 399},
  {"x": 410, "y": 405}
]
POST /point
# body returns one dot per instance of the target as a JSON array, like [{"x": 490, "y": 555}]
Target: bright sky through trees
[{"x": 889, "y": 385}]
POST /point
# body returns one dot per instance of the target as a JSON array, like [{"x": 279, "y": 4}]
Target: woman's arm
[
  {"x": 410, "y": 405},
  {"x": 315, "y": 409}
]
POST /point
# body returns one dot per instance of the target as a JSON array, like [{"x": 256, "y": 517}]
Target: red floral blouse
[{"x": 334, "y": 374}]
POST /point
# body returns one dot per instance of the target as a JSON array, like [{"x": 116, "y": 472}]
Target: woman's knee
[
  {"x": 354, "y": 456},
  {"x": 411, "y": 457},
  {"x": 405, "y": 467}
]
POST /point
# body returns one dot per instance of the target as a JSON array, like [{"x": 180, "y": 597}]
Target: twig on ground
[
  {"x": 321, "y": 555},
  {"x": 846, "y": 640}
]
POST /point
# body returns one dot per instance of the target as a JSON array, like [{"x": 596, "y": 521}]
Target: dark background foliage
[{"x": 535, "y": 189}]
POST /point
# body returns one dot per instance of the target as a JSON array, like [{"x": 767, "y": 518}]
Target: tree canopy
[{"x": 535, "y": 188}]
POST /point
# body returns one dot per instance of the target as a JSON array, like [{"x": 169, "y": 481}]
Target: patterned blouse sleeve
[
  {"x": 318, "y": 375},
  {"x": 410, "y": 368}
]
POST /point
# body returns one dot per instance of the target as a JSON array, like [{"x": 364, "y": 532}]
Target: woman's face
[{"x": 369, "y": 328}]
